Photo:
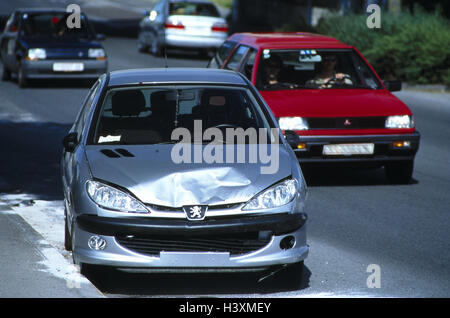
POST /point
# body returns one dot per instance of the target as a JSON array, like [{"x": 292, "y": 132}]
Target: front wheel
[
  {"x": 141, "y": 46},
  {"x": 22, "y": 77},
  {"x": 6, "y": 75},
  {"x": 399, "y": 172},
  {"x": 156, "y": 49},
  {"x": 67, "y": 236}
]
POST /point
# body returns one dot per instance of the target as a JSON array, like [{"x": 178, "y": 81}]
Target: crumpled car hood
[{"x": 154, "y": 178}]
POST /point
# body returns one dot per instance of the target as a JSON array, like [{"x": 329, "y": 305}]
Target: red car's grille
[{"x": 346, "y": 122}]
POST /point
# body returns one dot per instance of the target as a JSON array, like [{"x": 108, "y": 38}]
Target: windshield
[
  {"x": 149, "y": 115},
  {"x": 192, "y": 8},
  {"x": 314, "y": 69},
  {"x": 53, "y": 25}
]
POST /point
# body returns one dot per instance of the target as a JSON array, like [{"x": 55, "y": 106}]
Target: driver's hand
[{"x": 340, "y": 76}]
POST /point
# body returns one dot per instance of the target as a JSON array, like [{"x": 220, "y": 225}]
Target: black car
[{"x": 39, "y": 44}]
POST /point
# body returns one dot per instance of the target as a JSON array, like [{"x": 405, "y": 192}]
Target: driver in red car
[{"x": 327, "y": 76}]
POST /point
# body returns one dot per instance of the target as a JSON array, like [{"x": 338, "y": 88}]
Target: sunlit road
[{"x": 355, "y": 217}]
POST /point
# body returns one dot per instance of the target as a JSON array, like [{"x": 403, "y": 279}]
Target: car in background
[
  {"x": 128, "y": 204},
  {"x": 327, "y": 93},
  {"x": 186, "y": 24},
  {"x": 38, "y": 44}
]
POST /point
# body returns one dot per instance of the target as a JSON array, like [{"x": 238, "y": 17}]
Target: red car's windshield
[{"x": 314, "y": 69}]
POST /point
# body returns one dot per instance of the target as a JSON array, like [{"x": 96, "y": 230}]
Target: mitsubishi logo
[
  {"x": 195, "y": 212},
  {"x": 347, "y": 122}
]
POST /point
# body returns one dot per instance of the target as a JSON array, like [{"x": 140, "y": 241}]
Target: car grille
[
  {"x": 373, "y": 122},
  {"x": 236, "y": 244},
  {"x": 180, "y": 209}
]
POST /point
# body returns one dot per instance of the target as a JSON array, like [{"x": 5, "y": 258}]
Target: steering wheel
[
  {"x": 335, "y": 81},
  {"x": 222, "y": 126}
]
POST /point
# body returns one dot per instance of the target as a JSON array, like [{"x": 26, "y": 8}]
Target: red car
[{"x": 328, "y": 94}]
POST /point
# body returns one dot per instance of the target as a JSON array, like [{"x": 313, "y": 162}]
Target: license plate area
[
  {"x": 68, "y": 67},
  {"x": 198, "y": 30},
  {"x": 199, "y": 259},
  {"x": 348, "y": 149}
]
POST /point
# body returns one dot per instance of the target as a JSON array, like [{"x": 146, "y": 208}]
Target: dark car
[{"x": 39, "y": 44}]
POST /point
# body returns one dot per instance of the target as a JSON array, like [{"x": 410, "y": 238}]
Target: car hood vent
[
  {"x": 124, "y": 152},
  {"x": 109, "y": 153},
  {"x": 116, "y": 154}
]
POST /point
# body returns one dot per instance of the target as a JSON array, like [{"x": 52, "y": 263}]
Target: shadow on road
[
  {"x": 327, "y": 175},
  {"x": 113, "y": 281},
  {"x": 185, "y": 55},
  {"x": 57, "y": 83},
  {"x": 30, "y": 158}
]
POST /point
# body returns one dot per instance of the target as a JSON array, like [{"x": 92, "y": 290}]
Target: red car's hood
[{"x": 334, "y": 103}]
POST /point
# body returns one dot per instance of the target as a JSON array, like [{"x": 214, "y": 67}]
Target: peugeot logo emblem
[{"x": 195, "y": 212}]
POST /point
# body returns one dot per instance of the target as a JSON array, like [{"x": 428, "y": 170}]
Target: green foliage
[
  {"x": 411, "y": 47},
  {"x": 224, "y": 3}
]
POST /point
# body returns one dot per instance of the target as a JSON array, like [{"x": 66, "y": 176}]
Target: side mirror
[
  {"x": 393, "y": 86},
  {"x": 292, "y": 138},
  {"x": 100, "y": 37},
  {"x": 70, "y": 142}
]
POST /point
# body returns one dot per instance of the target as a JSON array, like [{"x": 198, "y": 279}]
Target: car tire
[
  {"x": 142, "y": 48},
  {"x": 156, "y": 48},
  {"x": 67, "y": 236},
  {"x": 399, "y": 172},
  {"x": 6, "y": 74},
  {"x": 22, "y": 77}
]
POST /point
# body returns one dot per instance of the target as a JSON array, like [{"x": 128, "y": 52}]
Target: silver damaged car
[{"x": 182, "y": 170}]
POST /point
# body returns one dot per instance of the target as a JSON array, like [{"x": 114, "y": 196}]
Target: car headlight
[
  {"x": 37, "y": 54},
  {"x": 293, "y": 123},
  {"x": 404, "y": 121},
  {"x": 112, "y": 198},
  {"x": 96, "y": 53},
  {"x": 280, "y": 194}
]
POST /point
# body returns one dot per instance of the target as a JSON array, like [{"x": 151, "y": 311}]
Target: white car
[{"x": 192, "y": 24}]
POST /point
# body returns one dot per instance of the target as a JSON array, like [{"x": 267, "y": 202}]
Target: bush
[{"x": 410, "y": 47}]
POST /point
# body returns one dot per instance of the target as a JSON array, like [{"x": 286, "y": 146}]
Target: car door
[
  {"x": 73, "y": 159},
  {"x": 9, "y": 42},
  {"x": 222, "y": 54}
]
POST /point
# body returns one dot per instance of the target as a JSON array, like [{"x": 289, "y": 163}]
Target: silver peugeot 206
[{"x": 182, "y": 170}]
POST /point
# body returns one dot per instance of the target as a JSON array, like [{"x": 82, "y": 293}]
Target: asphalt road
[{"x": 355, "y": 217}]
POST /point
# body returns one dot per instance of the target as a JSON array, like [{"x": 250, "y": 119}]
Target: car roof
[
  {"x": 175, "y": 75},
  {"x": 287, "y": 40}
]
